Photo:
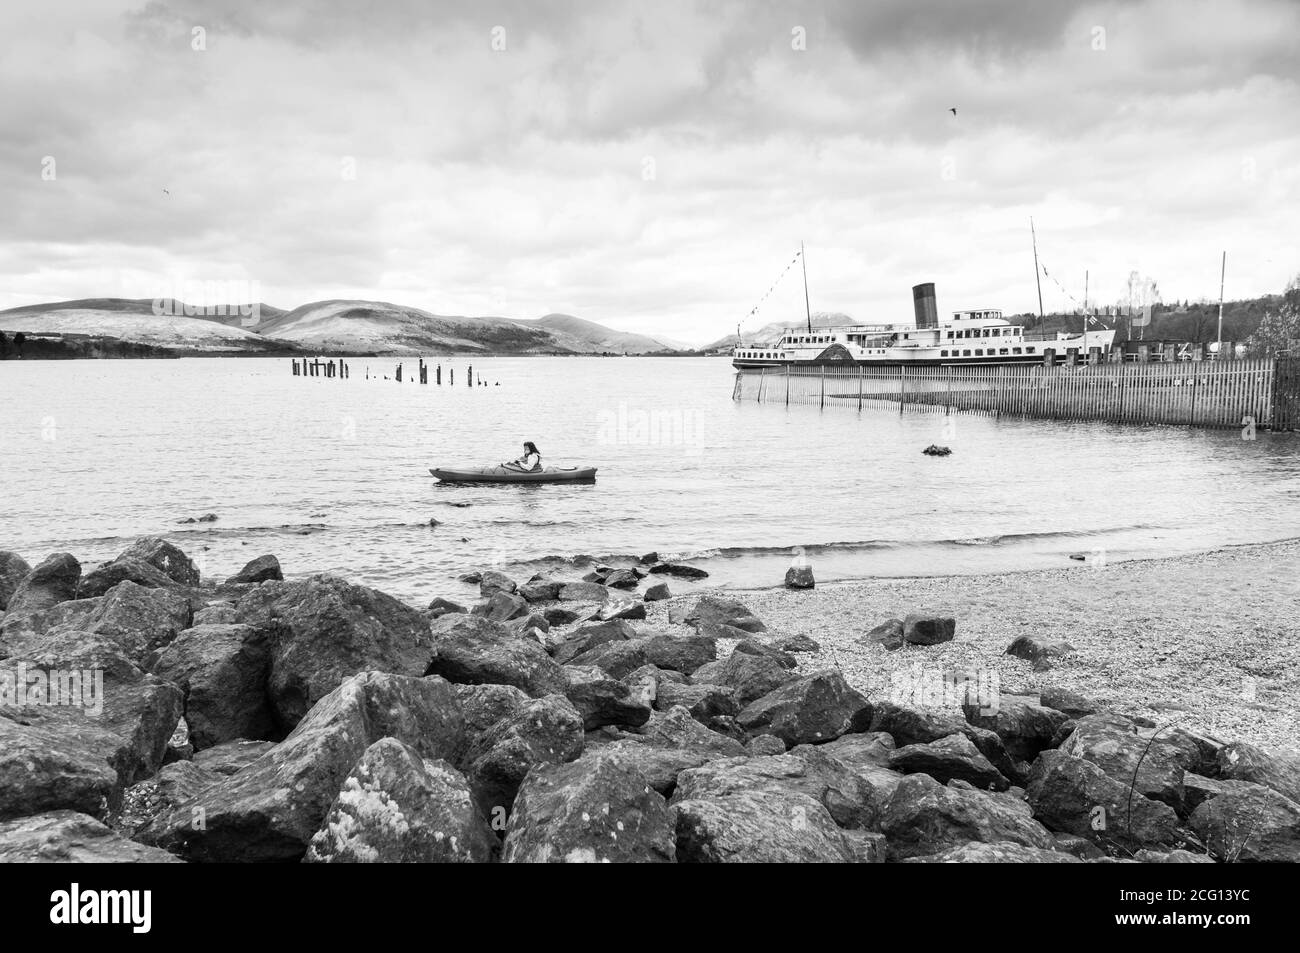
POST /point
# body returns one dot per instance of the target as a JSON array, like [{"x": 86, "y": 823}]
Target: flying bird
[
  {"x": 165, "y": 192},
  {"x": 953, "y": 110}
]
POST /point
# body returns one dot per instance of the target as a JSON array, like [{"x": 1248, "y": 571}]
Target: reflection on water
[{"x": 332, "y": 475}]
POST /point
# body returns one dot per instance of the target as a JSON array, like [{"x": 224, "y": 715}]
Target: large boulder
[
  {"x": 1026, "y": 728},
  {"x": 1240, "y": 761},
  {"x": 541, "y": 731},
  {"x": 165, "y": 556},
  {"x": 811, "y": 709},
  {"x": 601, "y": 699},
  {"x": 324, "y": 630},
  {"x": 599, "y": 809},
  {"x": 491, "y": 581},
  {"x": 231, "y": 756},
  {"x": 1039, "y": 652},
  {"x": 396, "y": 806},
  {"x": 926, "y": 817},
  {"x": 999, "y": 853},
  {"x": 927, "y": 629},
  {"x": 908, "y": 726},
  {"x": 138, "y": 619},
  {"x": 951, "y": 757},
  {"x": 271, "y": 809},
  {"x": 669, "y": 743},
  {"x": 1155, "y": 765},
  {"x": 12, "y": 570},
  {"x": 222, "y": 670},
  {"x": 888, "y": 633},
  {"x": 502, "y": 606},
  {"x": 849, "y": 800},
  {"x": 587, "y": 637},
  {"x": 719, "y": 616},
  {"x": 20, "y": 631},
  {"x": 584, "y": 592},
  {"x": 704, "y": 702},
  {"x": 1076, "y": 796},
  {"x": 750, "y": 676},
  {"x": 473, "y": 650},
  {"x": 68, "y": 837},
  {"x": 541, "y": 590},
  {"x": 79, "y": 722},
  {"x": 759, "y": 827},
  {"x": 484, "y": 705},
  {"x": 262, "y": 569},
  {"x": 130, "y": 569},
  {"x": 1250, "y": 824},
  {"x": 53, "y": 581}
]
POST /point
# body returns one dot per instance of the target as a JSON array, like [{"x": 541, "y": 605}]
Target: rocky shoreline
[{"x": 149, "y": 715}]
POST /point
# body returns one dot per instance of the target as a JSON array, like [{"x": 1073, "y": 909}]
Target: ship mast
[
  {"x": 1037, "y": 278},
  {"x": 803, "y": 259}
]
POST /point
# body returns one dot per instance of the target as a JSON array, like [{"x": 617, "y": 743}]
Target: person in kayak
[{"x": 529, "y": 462}]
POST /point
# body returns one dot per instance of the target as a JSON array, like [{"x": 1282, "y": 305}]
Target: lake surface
[{"x": 332, "y": 475}]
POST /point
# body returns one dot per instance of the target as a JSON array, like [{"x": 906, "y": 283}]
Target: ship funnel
[{"x": 927, "y": 315}]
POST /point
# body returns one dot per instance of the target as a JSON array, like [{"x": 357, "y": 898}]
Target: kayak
[{"x": 500, "y": 474}]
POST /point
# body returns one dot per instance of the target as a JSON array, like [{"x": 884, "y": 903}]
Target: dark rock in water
[
  {"x": 622, "y": 579},
  {"x": 165, "y": 556},
  {"x": 208, "y": 518},
  {"x": 491, "y": 581},
  {"x": 270, "y": 810},
  {"x": 473, "y": 577},
  {"x": 759, "y": 827},
  {"x": 12, "y": 570},
  {"x": 261, "y": 569},
  {"x": 323, "y": 630},
  {"x": 542, "y": 590},
  {"x": 501, "y": 606},
  {"x": 222, "y": 671},
  {"x": 951, "y": 757},
  {"x": 398, "y": 807},
  {"x": 704, "y": 702},
  {"x": 751, "y": 676},
  {"x": 809, "y": 710},
  {"x": 540, "y": 731},
  {"x": 129, "y": 569},
  {"x": 70, "y": 837},
  {"x": 584, "y": 592},
  {"x": 805, "y": 770},
  {"x": 601, "y": 699},
  {"x": 53, "y": 581},
  {"x": 599, "y": 809},
  {"x": 1075, "y": 796},
  {"x": 476, "y": 651},
  {"x": 1000, "y": 853},
  {"x": 889, "y": 634},
  {"x": 658, "y": 592},
  {"x": 621, "y": 609},
  {"x": 649, "y": 559},
  {"x": 105, "y": 731},
  {"x": 439, "y": 607},
  {"x": 1244, "y": 762},
  {"x": 924, "y": 629},
  {"x": 800, "y": 577},
  {"x": 587, "y": 637},
  {"x": 557, "y": 615},
  {"x": 1250, "y": 824},
  {"x": 1038, "y": 652},
  {"x": 764, "y": 746},
  {"x": 935, "y": 450},
  {"x": 679, "y": 570},
  {"x": 232, "y": 756},
  {"x": 925, "y": 817},
  {"x": 721, "y": 611}
]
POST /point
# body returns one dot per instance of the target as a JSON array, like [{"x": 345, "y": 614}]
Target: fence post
[
  {"x": 860, "y": 387},
  {"x": 902, "y": 388},
  {"x": 823, "y": 403},
  {"x": 787, "y": 385}
]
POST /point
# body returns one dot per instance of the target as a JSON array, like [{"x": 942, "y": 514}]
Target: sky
[{"x": 652, "y": 166}]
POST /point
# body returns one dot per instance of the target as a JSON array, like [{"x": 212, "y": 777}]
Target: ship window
[
  {"x": 966, "y": 353},
  {"x": 949, "y": 335},
  {"x": 979, "y": 352},
  {"x": 1003, "y": 351},
  {"x": 943, "y": 353},
  {"x": 1015, "y": 350},
  {"x": 1031, "y": 350}
]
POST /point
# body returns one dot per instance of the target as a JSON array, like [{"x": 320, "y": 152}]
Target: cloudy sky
[{"x": 651, "y": 164}]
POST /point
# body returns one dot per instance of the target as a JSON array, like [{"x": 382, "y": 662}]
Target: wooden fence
[{"x": 1265, "y": 391}]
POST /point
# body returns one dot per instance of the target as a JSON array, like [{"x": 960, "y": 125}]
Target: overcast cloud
[{"x": 649, "y": 165}]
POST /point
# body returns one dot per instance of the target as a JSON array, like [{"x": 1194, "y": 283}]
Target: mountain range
[{"x": 104, "y": 326}]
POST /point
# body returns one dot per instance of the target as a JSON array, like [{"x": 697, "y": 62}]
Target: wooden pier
[{"x": 1257, "y": 392}]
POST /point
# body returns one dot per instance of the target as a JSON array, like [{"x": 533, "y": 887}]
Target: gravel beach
[{"x": 1210, "y": 642}]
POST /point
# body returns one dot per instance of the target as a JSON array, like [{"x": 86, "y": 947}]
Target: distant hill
[
  {"x": 322, "y": 327},
  {"x": 133, "y": 321},
  {"x": 769, "y": 333}
]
